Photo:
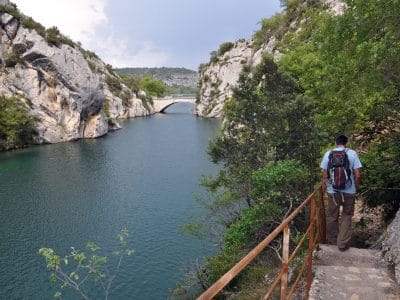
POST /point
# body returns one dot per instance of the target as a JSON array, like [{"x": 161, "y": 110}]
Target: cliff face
[
  {"x": 70, "y": 91},
  {"x": 391, "y": 246},
  {"x": 219, "y": 77},
  {"x": 221, "y": 74}
]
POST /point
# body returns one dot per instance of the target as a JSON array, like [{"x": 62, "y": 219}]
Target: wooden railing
[{"x": 315, "y": 233}]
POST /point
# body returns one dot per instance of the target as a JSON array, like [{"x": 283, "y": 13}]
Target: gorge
[{"x": 309, "y": 73}]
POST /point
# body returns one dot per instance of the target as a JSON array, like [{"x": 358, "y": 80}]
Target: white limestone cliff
[
  {"x": 216, "y": 79},
  {"x": 391, "y": 246},
  {"x": 64, "y": 89}
]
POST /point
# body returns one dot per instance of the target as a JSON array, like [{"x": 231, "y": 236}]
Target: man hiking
[{"x": 341, "y": 177}]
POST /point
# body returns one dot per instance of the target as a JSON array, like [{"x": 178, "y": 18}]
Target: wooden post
[
  {"x": 321, "y": 217},
  {"x": 285, "y": 262},
  {"x": 310, "y": 245}
]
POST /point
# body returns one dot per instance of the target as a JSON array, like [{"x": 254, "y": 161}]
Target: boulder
[
  {"x": 96, "y": 126},
  {"x": 11, "y": 28},
  {"x": 5, "y": 18}
]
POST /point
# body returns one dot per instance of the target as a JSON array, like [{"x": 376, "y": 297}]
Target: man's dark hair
[{"x": 341, "y": 140}]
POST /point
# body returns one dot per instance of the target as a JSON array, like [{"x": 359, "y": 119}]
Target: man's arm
[{"x": 357, "y": 177}]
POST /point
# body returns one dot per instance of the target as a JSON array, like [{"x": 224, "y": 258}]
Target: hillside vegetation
[
  {"x": 336, "y": 75},
  {"x": 170, "y": 76},
  {"x": 160, "y": 82}
]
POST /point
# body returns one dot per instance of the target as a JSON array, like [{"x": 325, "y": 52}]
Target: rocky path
[{"x": 356, "y": 274}]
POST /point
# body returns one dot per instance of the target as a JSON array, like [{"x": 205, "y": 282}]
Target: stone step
[
  {"x": 329, "y": 255},
  {"x": 338, "y": 282},
  {"x": 355, "y": 274}
]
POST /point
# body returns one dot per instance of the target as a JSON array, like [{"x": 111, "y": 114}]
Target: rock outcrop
[
  {"x": 218, "y": 78},
  {"x": 391, "y": 246},
  {"x": 221, "y": 74},
  {"x": 72, "y": 93}
]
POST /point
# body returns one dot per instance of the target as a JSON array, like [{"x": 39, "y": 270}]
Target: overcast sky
[{"x": 152, "y": 33}]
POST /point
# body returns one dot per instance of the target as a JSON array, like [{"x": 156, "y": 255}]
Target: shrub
[
  {"x": 92, "y": 67},
  {"x": 54, "y": 37},
  {"x": 225, "y": 47},
  {"x": 29, "y": 23},
  {"x": 381, "y": 180},
  {"x": 17, "y": 127},
  {"x": 109, "y": 68},
  {"x": 125, "y": 96},
  {"x": 11, "y": 10},
  {"x": 88, "y": 54},
  {"x": 106, "y": 107},
  {"x": 80, "y": 270},
  {"x": 276, "y": 25},
  {"x": 213, "y": 57},
  {"x": 114, "y": 85},
  {"x": 132, "y": 82},
  {"x": 152, "y": 87},
  {"x": 13, "y": 58}
]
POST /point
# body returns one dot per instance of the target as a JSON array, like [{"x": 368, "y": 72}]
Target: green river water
[{"x": 143, "y": 178}]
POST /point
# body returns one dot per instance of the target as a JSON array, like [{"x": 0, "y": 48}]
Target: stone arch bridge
[{"x": 161, "y": 104}]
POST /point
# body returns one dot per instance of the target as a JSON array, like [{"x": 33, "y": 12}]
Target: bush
[
  {"x": 54, "y": 37},
  {"x": 276, "y": 25},
  {"x": 88, "y": 54},
  {"x": 132, "y": 82},
  {"x": 114, "y": 85},
  {"x": 152, "y": 87},
  {"x": 281, "y": 179},
  {"x": 109, "y": 68},
  {"x": 17, "y": 127},
  {"x": 381, "y": 179},
  {"x": 11, "y": 10},
  {"x": 29, "y": 23},
  {"x": 13, "y": 58},
  {"x": 213, "y": 57},
  {"x": 80, "y": 271},
  {"x": 125, "y": 96},
  {"x": 225, "y": 47}
]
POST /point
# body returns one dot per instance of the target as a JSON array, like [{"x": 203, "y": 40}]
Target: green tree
[
  {"x": 267, "y": 149},
  {"x": 267, "y": 119},
  {"x": 279, "y": 186},
  {"x": 348, "y": 65},
  {"x": 17, "y": 126},
  {"x": 152, "y": 87}
]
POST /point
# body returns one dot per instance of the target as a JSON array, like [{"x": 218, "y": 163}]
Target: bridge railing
[
  {"x": 314, "y": 233},
  {"x": 177, "y": 96}
]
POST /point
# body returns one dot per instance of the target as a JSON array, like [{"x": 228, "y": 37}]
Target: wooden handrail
[{"x": 319, "y": 235}]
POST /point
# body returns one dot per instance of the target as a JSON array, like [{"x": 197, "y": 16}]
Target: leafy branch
[{"x": 74, "y": 270}]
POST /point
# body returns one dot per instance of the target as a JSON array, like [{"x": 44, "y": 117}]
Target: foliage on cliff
[
  {"x": 338, "y": 74},
  {"x": 17, "y": 127},
  {"x": 349, "y": 66}
]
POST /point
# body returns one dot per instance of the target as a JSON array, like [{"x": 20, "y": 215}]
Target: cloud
[
  {"x": 81, "y": 20},
  {"x": 120, "y": 52},
  {"x": 76, "y": 18}
]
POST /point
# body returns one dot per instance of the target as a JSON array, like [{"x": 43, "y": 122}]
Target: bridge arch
[{"x": 160, "y": 105}]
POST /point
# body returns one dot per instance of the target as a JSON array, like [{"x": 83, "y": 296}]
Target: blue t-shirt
[{"x": 354, "y": 164}]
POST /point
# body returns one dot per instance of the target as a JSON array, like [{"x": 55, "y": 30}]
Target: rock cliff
[
  {"x": 391, "y": 246},
  {"x": 221, "y": 74},
  {"x": 71, "y": 92}
]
